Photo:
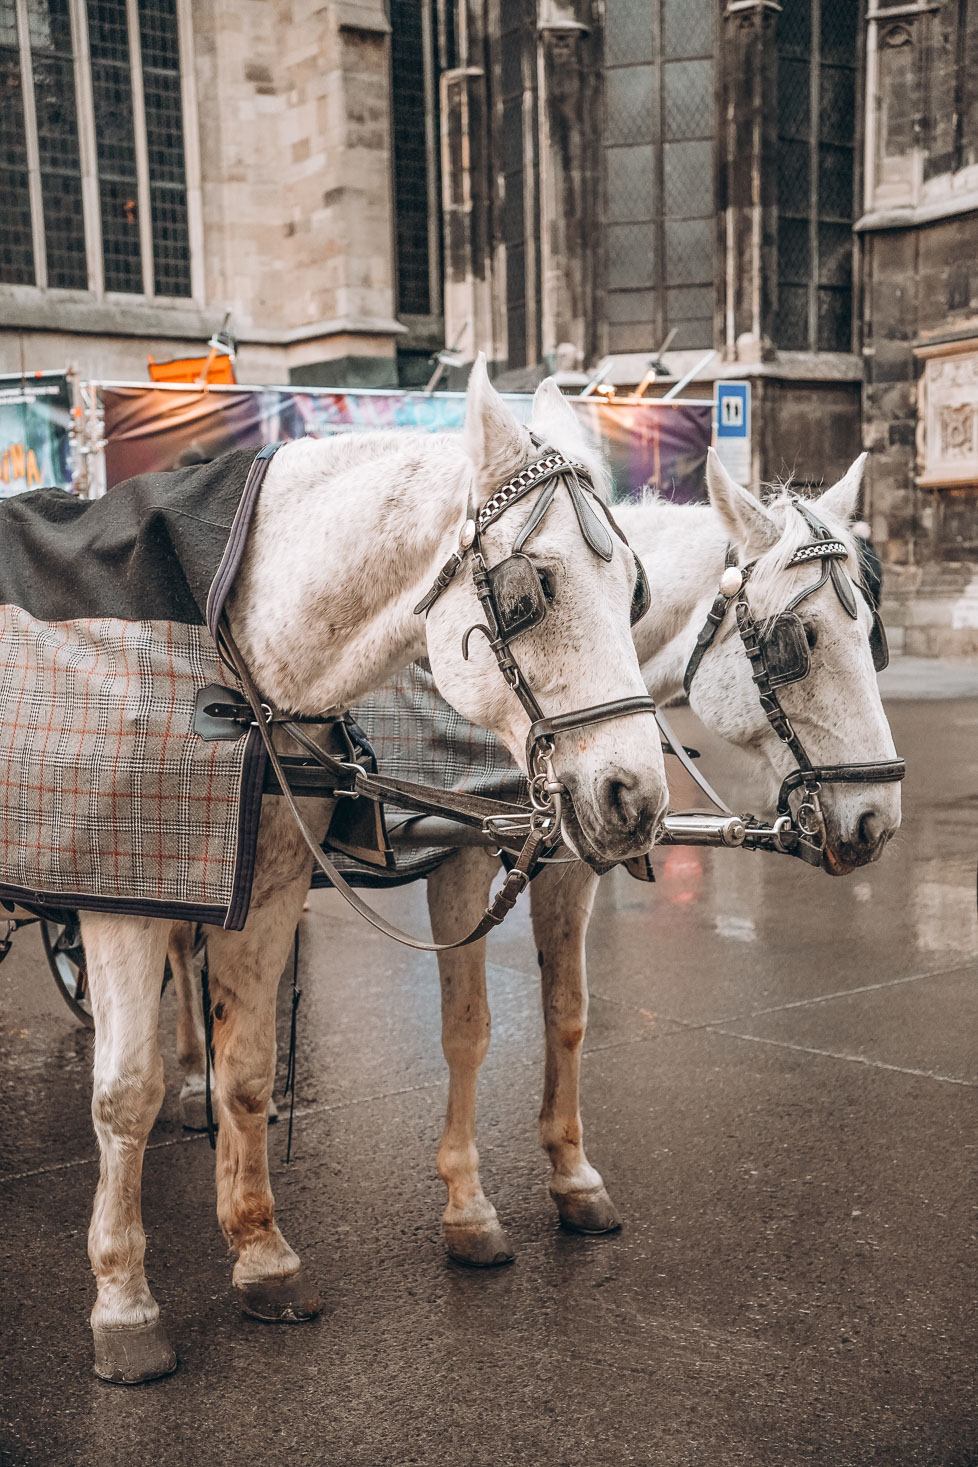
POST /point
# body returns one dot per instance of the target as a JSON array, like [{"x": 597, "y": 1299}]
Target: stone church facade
[{"x": 791, "y": 185}]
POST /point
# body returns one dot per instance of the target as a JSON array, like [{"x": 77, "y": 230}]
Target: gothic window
[
  {"x": 817, "y": 50},
  {"x": 108, "y": 71},
  {"x": 659, "y": 135},
  {"x": 414, "y": 118},
  {"x": 52, "y": 68},
  {"x": 16, "y": 238}
]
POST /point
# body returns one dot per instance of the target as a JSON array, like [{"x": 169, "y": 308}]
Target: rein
[{"x": 779, "y": 656}]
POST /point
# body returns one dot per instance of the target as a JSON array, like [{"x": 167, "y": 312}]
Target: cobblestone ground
[{"x": 780, "y": 1089}]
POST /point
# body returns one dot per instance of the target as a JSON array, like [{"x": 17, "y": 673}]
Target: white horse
[
  {"x": 836, "y": 710},
  {"x": 347, "y": 537}
]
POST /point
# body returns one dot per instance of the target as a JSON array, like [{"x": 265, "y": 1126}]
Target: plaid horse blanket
[
  {"x": 109, "y": 801},
  {"x": 108, "y": 617},
  {"x": 416, "y": 735}
]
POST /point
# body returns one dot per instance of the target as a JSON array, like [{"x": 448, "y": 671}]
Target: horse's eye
[
  {"x": 811, "y": 634},
  {"x": 546, "y": 584}
]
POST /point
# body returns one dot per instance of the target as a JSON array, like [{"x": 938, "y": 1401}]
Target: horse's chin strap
[{"x": 541, "y": 836}]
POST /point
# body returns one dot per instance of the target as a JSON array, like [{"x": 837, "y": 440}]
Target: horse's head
[
  {"x": 815, "y": 638},
  {"x": 566, "y": 598}
]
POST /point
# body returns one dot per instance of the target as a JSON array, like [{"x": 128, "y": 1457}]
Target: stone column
[
  {"x": 568, "y": 91},
  {"x": 466, "y": 186},
  {"x": 296, "y": 184},
  {"x": 748, "y": 175}
]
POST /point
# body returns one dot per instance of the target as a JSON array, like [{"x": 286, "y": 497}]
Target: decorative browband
[
  {"x": 820, "y": 550},
  {"x": 535, "y": 473}
]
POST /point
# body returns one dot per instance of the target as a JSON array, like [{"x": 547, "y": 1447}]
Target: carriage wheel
[{"x": 66, "y": 959}]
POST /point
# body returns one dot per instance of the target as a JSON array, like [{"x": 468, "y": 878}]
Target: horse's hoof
[
  {"x": 128, "y": 1355},
  {"x": 290, "y": 1300},
  {"x": 272, "y": 1112},
  {"x": 587, "y": 1212},
  {"x": 486, "y": 1247}
]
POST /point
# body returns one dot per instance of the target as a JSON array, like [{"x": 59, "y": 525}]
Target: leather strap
[
  {"x": 713, "y": 623},
  {"x": 542, "y": 728},
  {"x": 881, "y": 771},
  {"x": 516, "y": 881},
  {"x": 675, "y": 746}
]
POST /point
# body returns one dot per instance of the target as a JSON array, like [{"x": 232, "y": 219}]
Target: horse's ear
[
  {"x": 551, "y": 410},
  {"x": 494, "y": 440},
  {"x": 747, "y": 522},
  {"x": 842, "y": 498}
]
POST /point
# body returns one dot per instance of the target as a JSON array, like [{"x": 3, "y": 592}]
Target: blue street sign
[{"x": 733, "y": 410}]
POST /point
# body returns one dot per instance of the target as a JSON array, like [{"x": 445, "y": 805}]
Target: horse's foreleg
[
  {"x": 125, "y": 967},
  {"x": 457, "y": 896},
  {"x": 244, "y": 969},
  {"x": 561, "y": 898}
]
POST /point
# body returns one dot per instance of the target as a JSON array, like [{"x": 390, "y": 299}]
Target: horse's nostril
[
  {"x": 628, "y": 805},
  {"x": 616, "y": 800},
  {"x": 870, "y": 828}
]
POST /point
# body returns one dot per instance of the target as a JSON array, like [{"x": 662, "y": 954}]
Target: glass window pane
[
  {"x": 835, "y": 187},
  {"x": 834, "y": 320},
  {"x": 795, "y": 28},
  {"x": 835, "y": 255},
  {"x": 794, "y": 251},
  {"x": 630, "y": 255},
  {"x": 794, "y": 99},
  {"x": 689, "y": 251},
  {"x": 793, "y": 166},
  {"x": 631, "y": 305},
  {"x": 688, "y": 178},
  {"x": 631, "y": 184},
  {"x": 49, "y": 25},
  {"x": 792, "y": 317},
  {"x": 627, "y": 32},
  {"x": 837, "y": 105},
  {"x": 688, "y": 88},
  {"x": 839, "y": 31},
  {"x": 690, "y": 310},
  {"x": 687, "y": 28},
  {"x": 629, "y": 99}
]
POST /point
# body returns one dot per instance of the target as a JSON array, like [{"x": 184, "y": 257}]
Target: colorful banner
[
  {"x": 651, "y": 447},
  {"x": 35, "y": 418}
]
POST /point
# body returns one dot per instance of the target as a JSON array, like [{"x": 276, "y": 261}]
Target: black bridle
[
  {"x": 779, "y": 654},
  {"x": 514, "y": 598}
]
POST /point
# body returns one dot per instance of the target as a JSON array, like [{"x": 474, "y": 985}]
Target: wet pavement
[{"x": 780, "y": 1088}]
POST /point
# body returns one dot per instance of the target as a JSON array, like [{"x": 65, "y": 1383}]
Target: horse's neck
[
  {"x": 346, "y": 538},
  {"x": 682, "y": 548}
]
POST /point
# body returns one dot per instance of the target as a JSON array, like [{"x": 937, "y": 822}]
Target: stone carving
[
  {"x": 949, "y": 442},
  {"x": 958, "y": 431}
]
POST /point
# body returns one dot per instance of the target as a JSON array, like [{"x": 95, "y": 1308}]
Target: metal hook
[{"x": 476, "y": 627}]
